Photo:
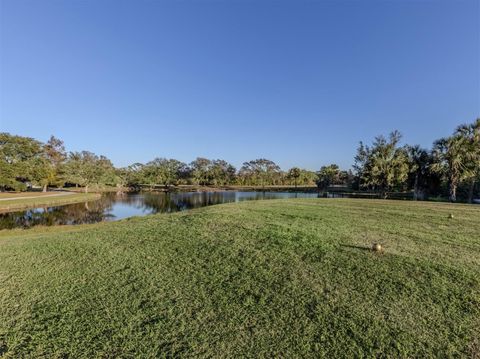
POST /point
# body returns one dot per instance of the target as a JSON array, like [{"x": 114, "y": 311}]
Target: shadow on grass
[
  {"x": 3, "y": 346},
  {"x": 356, "y": 247}
]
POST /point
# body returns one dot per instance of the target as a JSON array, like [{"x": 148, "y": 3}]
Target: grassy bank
[
  {"x": 11, "y": 202},
  {"x": 284, "y": 278}
]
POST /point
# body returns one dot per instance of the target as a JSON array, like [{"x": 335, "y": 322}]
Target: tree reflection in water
[{"x": 78, "y": 213}]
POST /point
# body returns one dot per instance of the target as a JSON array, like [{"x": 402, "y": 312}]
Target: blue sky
[{"x": 298, "y": 82}]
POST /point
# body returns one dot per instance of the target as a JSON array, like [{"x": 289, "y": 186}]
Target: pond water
[{"x": 113, "y": 207}]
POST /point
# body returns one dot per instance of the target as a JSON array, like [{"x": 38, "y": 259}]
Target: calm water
[{"x": 112, "y": 207}]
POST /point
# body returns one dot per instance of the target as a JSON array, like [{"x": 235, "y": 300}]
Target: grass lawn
[
  {"x": 277, "y": 278},
  {"x": 17, "y": 201}
]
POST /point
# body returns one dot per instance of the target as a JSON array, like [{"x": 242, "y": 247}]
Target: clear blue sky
[{"x": 298, "y": 82}]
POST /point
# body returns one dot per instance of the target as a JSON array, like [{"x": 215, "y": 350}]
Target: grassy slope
[
  {"x": 50, "y": 199},
  {"x": 283, "y": 278}
]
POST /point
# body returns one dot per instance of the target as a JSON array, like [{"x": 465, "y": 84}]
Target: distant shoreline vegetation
[{"x": 449, "y": 170}]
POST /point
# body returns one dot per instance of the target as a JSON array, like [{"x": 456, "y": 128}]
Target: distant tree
[
  {"x": 260, "y": 171},
  {"x": 8, "y": 175},
  {"x": 86, "y": 169},
  {"x": 221, "y": 172},
  {"x": 294, "y": 173},
  {"x": 327, "y": 176},
  {"x": 419, "y": 161},
  {"x": 123, "y": 177},
  {"x": 162, "y": 171},
  {"x": 22, "y": 161},
  {"x": 133, "y": 176},
  {"x": 384, "y": 165},
  {"x": 450, "y": 160},
  {"x": 307, "y": 177},
  {"x": 469, "y": 135},
  {"x": 108, "y": 175},
  {"x": 56, "y": 156},
  {"x": 346, "y": 178},
  {"x": 41, "y": 171},
  {"x": 200, "y": 171},
  {"x": 136, "y": 175}
]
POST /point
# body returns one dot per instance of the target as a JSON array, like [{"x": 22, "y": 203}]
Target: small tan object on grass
[
  {"x": 377, "y": 247},
  {"x": 450, "y": 215}
]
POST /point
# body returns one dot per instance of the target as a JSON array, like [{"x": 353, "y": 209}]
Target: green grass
[
  {"x": 42, "y": 199},
  {"x": 278, "y": 278}
]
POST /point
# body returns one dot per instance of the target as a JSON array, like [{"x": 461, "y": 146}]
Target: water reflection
[{"x": 118, "y": 206}]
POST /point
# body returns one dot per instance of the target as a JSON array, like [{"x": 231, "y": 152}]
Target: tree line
[
  {"x": 26, "y": 162},
  {"x": 452, "y": 164},
  {"x": 449, "y": 169}
]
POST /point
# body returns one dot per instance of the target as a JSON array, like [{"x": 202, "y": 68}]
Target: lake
[{"x": 113, "y": 207}]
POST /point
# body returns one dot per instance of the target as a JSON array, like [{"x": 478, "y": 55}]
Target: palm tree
[
  {"x": 470, "y": 137},
  {"x": 294, "y": 173},
  {"x": 419, "y": 162},
  {"x": 450, "y": 160}
]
